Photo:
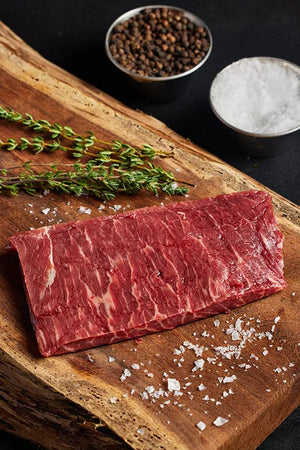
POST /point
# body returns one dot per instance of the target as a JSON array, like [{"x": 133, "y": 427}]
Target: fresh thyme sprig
[
  {"x": 81, "y": 145},
  {"x": 118, "y": 152},
  {"x": 90, "y": 179},
  {"x": 114, "y": 167},
  {"x": 36, "y": 144}
]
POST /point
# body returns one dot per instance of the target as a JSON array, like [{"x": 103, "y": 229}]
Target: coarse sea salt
[
  {"x": 126, "y": 373},
  {"x": 220, "y": 421},
  {"x": 258, "y": 95},
  {"x": 201, "y": 426},
  {"x": 84, "y": 210},
  {"x": 229, "y": 379},
  {"x": 173, "y": 384},
  {"x": 135, "y": 366},
  {"x": 198, "y": 364},
  {"x": 90, "y": 358}
]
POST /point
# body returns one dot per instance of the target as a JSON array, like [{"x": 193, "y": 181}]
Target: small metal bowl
[
  {"x": 260, "y": 145},
  {"x": 158, "y": 88}
]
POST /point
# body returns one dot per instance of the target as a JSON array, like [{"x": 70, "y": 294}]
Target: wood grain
[{"x": 77, "y": 400}]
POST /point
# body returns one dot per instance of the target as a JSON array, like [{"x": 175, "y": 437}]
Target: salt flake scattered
[
  {"x": 201, "y": 426},
  {"x": 125, "y": 374},
  {"x": 149, "y": 389},
  {"x": 177, "y": 393},
  {"x": 173, "y": 385},
  {"x": 238, "y": 325},
  {"x": 177, "y": 352},
  {"x": 90, "y": 358},
  {"x": 229, "y": 379},
  {"x": 135, "y": 366},
  {"x": 84, "y": 210},
  {"x": 220, "y": 421},
  {"x": 198, "y": 364},
  {"x": 235, "y": 335}
]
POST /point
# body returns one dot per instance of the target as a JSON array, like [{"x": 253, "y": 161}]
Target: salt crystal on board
[
  {"x": 149, "y": 389},
  {"x": 173, "y": 384},
  {"x": 201, "y": 426},
  {"x": 229, "y": 379},
  {"x": 220, "y": 421},
  {"x": 126, "y": 373},
  {"x": 84, "y": 210},
  {"x": 198, "y": 364},
  {"x": 135, "y": 366}
]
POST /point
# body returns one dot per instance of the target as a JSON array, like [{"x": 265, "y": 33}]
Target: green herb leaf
[{"x": 110, "y": 168}]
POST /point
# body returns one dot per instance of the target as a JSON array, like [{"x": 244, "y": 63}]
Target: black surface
[{"x": 71, "y": 34}]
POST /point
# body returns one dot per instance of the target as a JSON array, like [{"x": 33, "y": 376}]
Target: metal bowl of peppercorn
[{"x": 158, "y": 48}]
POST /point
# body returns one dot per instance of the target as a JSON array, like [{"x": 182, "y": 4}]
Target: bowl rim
[
  {"x": 133, "y": 12},
  {"x": 240, "y": 130}
]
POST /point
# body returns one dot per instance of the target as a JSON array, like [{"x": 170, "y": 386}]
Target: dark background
[{"x": 71, "y": 34}]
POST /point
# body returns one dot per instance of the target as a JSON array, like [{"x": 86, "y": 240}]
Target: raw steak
[{"x": 112, "y": 278}]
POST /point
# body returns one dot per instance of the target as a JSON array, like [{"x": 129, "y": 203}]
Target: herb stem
[{"x": 111, "y": 167}]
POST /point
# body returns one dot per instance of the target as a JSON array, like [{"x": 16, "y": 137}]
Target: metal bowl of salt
[{"x": 258, "y": 99}]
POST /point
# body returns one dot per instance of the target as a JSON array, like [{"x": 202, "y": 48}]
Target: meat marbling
[{"x": 111, "y": 278}]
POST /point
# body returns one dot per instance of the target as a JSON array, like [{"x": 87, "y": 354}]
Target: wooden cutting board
[{"x": 78, "y": 400}]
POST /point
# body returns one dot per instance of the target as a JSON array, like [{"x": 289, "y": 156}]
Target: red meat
[{"x": 112, "y": 278}]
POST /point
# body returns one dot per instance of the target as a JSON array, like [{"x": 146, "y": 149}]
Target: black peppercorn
[{"x": 159, "y": 42}]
